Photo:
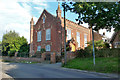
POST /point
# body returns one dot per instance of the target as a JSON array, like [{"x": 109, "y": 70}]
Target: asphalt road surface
[{"x": 22, "y": 70}]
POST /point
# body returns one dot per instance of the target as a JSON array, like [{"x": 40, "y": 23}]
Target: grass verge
[{"x": 104, "y": 65}]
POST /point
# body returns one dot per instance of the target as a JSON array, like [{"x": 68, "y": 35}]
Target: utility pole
[
  {"x": 93, "y": 47},
  {"x": 65, "y": 35}
]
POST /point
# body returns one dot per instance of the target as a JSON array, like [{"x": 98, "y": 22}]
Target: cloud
[
  {"x": 39, "y": 9},
  {"x": 107, "y": 33},
  {"x": 36, "y": 2},
  {"x": 12, "y": 14},
  {"x": 16, "y": 16}
]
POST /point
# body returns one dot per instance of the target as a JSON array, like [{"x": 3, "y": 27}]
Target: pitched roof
[
  {"x": 43, "y": 13},
  {"x": 61, "y": 17},
  {"x": 113, "y": 36},
  {"x": 97, "y": 36},
  {"x": 75, "y": 23}
]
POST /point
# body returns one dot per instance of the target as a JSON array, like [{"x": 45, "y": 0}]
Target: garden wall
[
  {"x": 39, "y": 60},
  {"x": 70, "y": 55},
  {"x": 20, "y": 59}
]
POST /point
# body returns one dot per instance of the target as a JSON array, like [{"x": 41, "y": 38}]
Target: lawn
[{"x": 104, "y": 65}]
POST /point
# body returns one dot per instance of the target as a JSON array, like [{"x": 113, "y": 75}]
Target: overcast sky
[{"x": 16, "y": 15}]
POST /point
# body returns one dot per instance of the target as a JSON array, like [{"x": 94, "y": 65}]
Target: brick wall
[
  {"x": 56, "y": 24},
  {"x": 52, "y": 23},
  {"x": 19, "y": 59}
]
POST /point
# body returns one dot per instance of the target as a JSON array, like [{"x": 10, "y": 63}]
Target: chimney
[
  {"x": 58, "y": 11},
  {"x": 31, "y": 36}
]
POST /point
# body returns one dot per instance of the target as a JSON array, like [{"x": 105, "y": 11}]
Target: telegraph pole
[{"x": 65, "y": 53}]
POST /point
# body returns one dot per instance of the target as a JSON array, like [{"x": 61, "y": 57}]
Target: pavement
[
  {"x": 22, "y": 70},
  {"x": 2, "y": 71}
]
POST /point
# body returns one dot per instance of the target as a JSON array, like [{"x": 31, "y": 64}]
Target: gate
[{"x": 47, "y": 58}]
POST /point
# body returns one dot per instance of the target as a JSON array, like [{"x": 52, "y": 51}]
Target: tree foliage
[
  {"x": 12, "y": 43},
  {"x": 98, "y": 44},
  {"x": 103, "y": 15}
]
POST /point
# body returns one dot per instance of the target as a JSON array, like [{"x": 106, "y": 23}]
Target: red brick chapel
[{"x": 48, "y": 33}]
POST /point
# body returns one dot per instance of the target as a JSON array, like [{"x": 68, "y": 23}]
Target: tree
[
  {"x": 12, "y": 43},
  {"x": 103, "y": 15},
  {"x": 100, "y": 15},
  {"x": 98, "y": 44}
]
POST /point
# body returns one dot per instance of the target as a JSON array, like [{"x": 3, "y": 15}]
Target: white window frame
[
  {"x": 38, "y": 36},
  {"x": 68, "y": 34},
  {"x": 38, "y": 48},
  {"x": 48, "y": 48},
  {"x": 78, "y": 38},
  {"x": 85, "y": 40},
  {"x": 48, "y": 34}
]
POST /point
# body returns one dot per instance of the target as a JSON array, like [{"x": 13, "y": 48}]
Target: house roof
[
  {"x": 43, "y": 13},
  {"x": 113, "y": 36},
  {"x": 97, "y": 36},
  {"x": 56, "y": 18},
  {"x": 74, "y": 23}
]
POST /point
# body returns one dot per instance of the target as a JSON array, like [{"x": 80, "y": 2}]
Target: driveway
[{"x": 22, "y": 70}]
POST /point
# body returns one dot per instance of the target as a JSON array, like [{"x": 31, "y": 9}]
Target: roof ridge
[
  {"x": 113, "y": 36},
  {"x": 42, "y": 13},
  {"x": 76, "y": 23}
]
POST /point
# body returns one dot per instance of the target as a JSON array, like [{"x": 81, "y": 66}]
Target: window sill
[
  {"x": 38, "y": 41},
  {"x": 47, "y": 51}
]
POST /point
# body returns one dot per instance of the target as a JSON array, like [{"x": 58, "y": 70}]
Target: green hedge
[
  {"x": 98, "y": 52},
  {"x": 108, "y": 52}
]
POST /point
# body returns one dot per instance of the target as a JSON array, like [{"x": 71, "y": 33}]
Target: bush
[
  {"x": 58, "y": 58},
  {"x": 42, "y": 50},
  {"x": 82, "y": 53},
  {"x": 11, "y": 53},
  {"x": 107, "y": 52},
  {"x": 38, "y": 54},
  {"x": 23, "y": 54},
  {"x": 87, "y": 52},
  {"x": 62, "y": 54},
  {"x": 34, "y": 55}
]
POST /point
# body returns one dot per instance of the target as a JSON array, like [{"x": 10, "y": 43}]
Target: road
[{"x": 22, "y": 70}]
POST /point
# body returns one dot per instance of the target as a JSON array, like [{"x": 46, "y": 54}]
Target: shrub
[
  {"x": 62, "y": 54},
  {"x": 106, "y": 45},
  {"x": 11, "y": 53},
  {"x": 42, "y": 50},
  {"x": 34, "y": 55},
  {"x": 107, "y": 52},
  {"x": 82, "y": 53},
  {"x": 38, "y": 54},
  {"x": 23, "y": 54},
  {"x": 58, "y": 58}
]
